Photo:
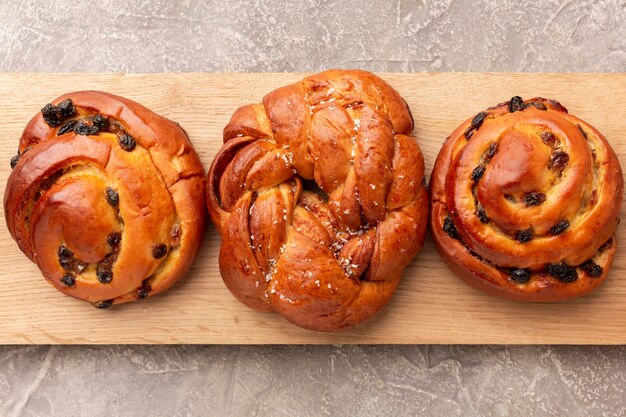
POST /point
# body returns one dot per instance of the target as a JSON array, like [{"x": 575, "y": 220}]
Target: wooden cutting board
[{"x": 431, "y": 304}]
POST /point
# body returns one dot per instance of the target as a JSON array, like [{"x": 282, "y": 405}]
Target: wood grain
[{"x": 431, "y": 305}]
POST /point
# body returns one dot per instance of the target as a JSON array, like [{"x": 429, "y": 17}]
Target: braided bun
[{"x": 318, "y": 195}]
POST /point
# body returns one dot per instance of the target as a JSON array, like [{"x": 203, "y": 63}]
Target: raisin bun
[
  {"x": 318, "y": 195},
  {"x": 106, "y": 197},
  {"x": 525, "y": 201}
]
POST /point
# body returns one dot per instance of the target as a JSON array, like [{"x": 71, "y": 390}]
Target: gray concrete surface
[{"x": 273, "y": 35}]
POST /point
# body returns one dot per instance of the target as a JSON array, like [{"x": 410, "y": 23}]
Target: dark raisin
[
  {"x": 538, "y": 105},
  {"x": 82, "y": 128},
  {"x": 159, "y": 251},
  {"x": 51, "y": 115},
  {"x": 524, "y": 236},
  {"x": 520, "y": 276},
  {"x": 478, "y": 120},
  {"x": 549, "y": 139},
  {"x": 563, "y": 272},
  {"x": 102, "y": 304},
  {"x": 510, "y": 198},
  {"x": 112, "y": 197},
  {"x": 67, "y": 127},
  {"x": 104, "y": 275},
  {"x": 469, "y": 132},
  {"x": 127, "y": 142},
  {"x": 491, "y": 151},
  {"x": 478, "y": 173},
  {"x": 66, "y": 108},
  {"x": 534, "y": 199},
  {"x": 559, "y": 228},
  {"x": 482, "y": 215},
  {"x": 606, "y": 245},
  {"x": 64, "y": 252},
  {"x": 68, "y": 280},
  {"x": 558, "y": 160},
  {"x": 144, "y": 291},
  {"x": 15, "y": 160},
  {"x": 114, "y": 239},
  {"x": 101, "y": 122},
  {"x": 516, "y": 104},
  {"x": 591, "y": 268},
  {"x": 450, "y": 228},
  {"x": 582, "y": 131},
  {"x": 67, "y": 264}
]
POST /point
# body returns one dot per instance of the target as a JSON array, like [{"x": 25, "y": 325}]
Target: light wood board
[{"x": 430, "y": 306}]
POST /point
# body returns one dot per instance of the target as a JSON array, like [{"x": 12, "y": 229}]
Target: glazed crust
[
  {"x": 109, "y": 214},
  {"x": 525, "y": 200},
  {"x": 318, "y": 195}
]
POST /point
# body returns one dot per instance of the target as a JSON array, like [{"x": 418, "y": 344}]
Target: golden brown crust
[
  {"x": 112, "y": 208},
  {"x": 329, "y": 258},
  {"x": 525, "y": 199}
]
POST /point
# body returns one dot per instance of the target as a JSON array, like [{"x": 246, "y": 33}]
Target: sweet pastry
[
  {"x": 525, "y": 201},
  {"x": 318, "y": 195},
  {"x": 106, "y": 197}
]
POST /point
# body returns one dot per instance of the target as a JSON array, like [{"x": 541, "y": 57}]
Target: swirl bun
[
  {"x": 525, "y": 201},
  {"x": 318, "y": 196},
  {"x": 106, "y": 197}
]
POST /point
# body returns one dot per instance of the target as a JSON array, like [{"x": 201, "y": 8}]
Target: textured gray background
[{"x": 238, "y": 35}]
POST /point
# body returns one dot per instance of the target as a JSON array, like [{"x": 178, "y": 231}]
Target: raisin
[
  {"x": 491, "y": 151},
  {"x": 66, "y": 108},
  {"x": 54, "y": 115},
  {"x": 104, "y": 275},
  {"x": 582, "y": 131},
  {"x": 482, "y": 215},
  {"x": 51, "y": 115},
  {"x": 563, "y": 272},
  {"x": 534, "y": 199},
  {"x": 84, "y": 129},
  {"x": 144, "y": 291},
  {"x": 159, "y": 251},
  {"x": 68, "y": 280},
  {"x": 112, "y": 197},
  {"x": 67, "y": 127},
  {"x": 606, "y": 245},
  {"x": 15, "y": 160},
  {"x": 549, "y": 139},
  {"x": 450, "y": 228},
  {"x": 64, "y": 252},
  {"x": 520, "y": 276},
  {"x": 591, "y": 268},
  {"x": 127, "y": 142},
  {"x": 114, "y": 239},
  {"x": 469, "y": 133},
  {"x": 478, "y": 173},
  {"x": 103, "y": 269},
  {"x": 559, "y": 228},
  {"x": 477, "y": 122},
  {"x": 102, "y": 304},
  {"x": 558, "y": 160},
  {"x": 101, "y": 122},
  {"x": 524, "y": 236},
  {"x": 538, "y": 105},
  {"x": 516, "y": 104}
]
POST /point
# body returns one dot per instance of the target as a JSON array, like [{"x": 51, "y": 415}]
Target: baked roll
[
  {"x": 318, "y": 196},
  {"x": 106, "y": 197},
  {"x": 525, "y": 201}
]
